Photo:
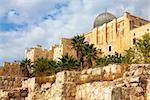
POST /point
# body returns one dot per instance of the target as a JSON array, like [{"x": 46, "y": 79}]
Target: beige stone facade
[
  {"x": 118, "y": 34},
  {"x": 55, "y": 52},
  {"x": 11, "y": 69},
  {"x": 64, "y": 47},
  {"x": 138, "y": 32},
  {"x": 38, "y": 52}
]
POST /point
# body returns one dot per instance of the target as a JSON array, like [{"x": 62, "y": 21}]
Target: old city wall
[
  {"x": 8, "y": 82},
  {"x": 112, "y": 82}
]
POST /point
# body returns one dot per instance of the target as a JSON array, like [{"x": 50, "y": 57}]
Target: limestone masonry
[{"x": 112, "y": 82}]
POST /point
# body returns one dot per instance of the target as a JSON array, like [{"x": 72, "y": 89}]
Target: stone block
[
  {"x": 134, "y": 79},
  {"x": 139, "y": 71},
  {"x": 117, "y": 94},
  {"x": 46, "y": 86}
]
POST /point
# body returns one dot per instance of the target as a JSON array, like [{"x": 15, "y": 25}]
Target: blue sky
[{"x": 26, "y": 23}]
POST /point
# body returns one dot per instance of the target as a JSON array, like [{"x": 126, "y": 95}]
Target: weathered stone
[
  {"x": 134, "y": 79},
  {"x": 112, "y": 82},
  {"x": 139, "y": 71},
  {"x": 24, "y": 92},
  {"x": 134, "y": 84},
  {"x": 46, "y": 86},
  {"x": 117, "y": 94}
]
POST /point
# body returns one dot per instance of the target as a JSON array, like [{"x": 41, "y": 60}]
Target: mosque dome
[{"x": 103, "y": 18}]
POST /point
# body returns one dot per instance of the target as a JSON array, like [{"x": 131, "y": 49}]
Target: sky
[{"x": 26, "y": 23}]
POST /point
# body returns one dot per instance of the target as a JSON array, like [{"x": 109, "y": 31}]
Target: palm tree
[
  {"x": 89, "y": 53},
  {"x": 44, "y": 67},
  {"x": 67, "y": 62},
  {"x": 78, "y": 43},
  {"x": 40, "y": 66},
  {"x": 53, "y": 67},
  {"x": 26, "y": 65}
]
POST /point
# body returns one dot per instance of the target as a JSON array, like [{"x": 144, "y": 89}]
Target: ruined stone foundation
[{"x": 112, "y": 82}]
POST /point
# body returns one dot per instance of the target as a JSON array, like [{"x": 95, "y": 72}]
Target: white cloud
[{"x": 30, "y": 11}]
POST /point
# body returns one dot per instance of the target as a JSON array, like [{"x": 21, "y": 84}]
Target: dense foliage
[
  {"x": 44, "y": 67},
  {"x": 140, "y": 52},
  {"x": 77, "y": 43},
  {"x": 143, "y": 47},
  {"x": 85, "y": 52},
  {"x": 26, "y": 66},
  {"x": 67, "y": 62},
  {"x": 111, "y": 59},
  {"x": 89, "y": 54}
]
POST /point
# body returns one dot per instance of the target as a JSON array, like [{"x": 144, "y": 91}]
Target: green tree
[
  {"x": 117, "y": 58},
  {"x": 89, "y": 53},
  {"x": 26, "y": 65},
  {"x": 67, "y": 62},
  {"x": 44, "y": 67},
  {"x": 110, "y": 59},
  {"x": 129, "y": 55},
  {"x": 78, "y": 43},
  {"x": 140, "y": 52},
  {"x": 102, "y": 61},
  {"x": 143, "y": 46},
  {"x": 53, "y": 66}
]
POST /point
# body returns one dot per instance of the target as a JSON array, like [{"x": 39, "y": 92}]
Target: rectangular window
[
  {"x": 134, "y": 41},
  {"x": 109, "y": 48},
  {"x": 131, "y": 25}
]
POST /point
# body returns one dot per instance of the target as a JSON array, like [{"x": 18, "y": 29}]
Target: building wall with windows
[
  {"x": 117, "y": 35},
  {"x": 139, "y": 32}
]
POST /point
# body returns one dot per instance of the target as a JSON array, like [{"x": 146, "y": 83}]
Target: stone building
[
  {"x": 109, "y": 34},
  {"x": 11, "y": 69},
  {"x": 38, "y": 52},
  {"x": 64, "y": 47},
  {"x": 55, "y": 52}
]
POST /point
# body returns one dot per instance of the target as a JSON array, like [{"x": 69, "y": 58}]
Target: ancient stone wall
[
  {"x": 8, "y": 82},
  {"x": 133, "y": 85},
  {"x": 11, "y": 69},
  {"x": 11, "y": 88},
  {"x": 112, "y": 82},
  {"x": 94, "y": 91}
]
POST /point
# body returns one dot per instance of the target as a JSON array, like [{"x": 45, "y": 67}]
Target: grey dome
[{"x": 103, "y": 18}]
